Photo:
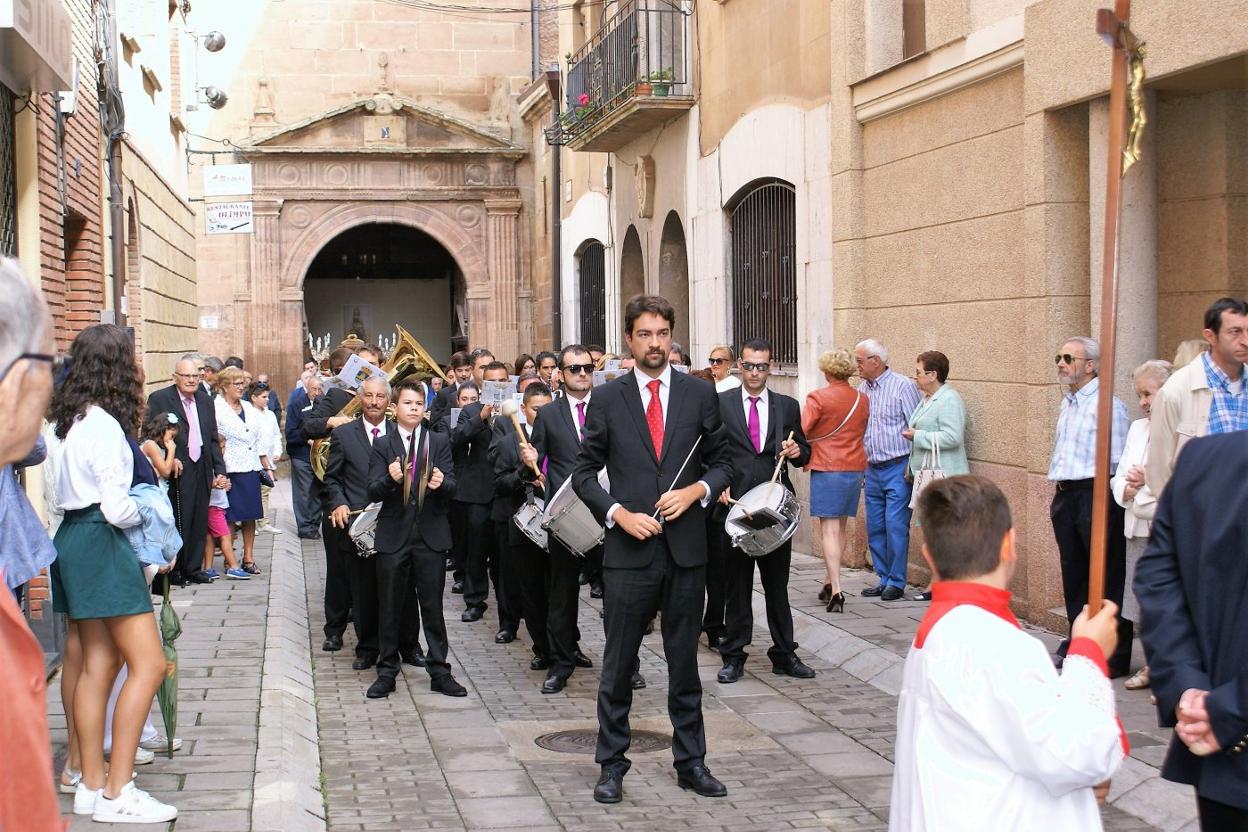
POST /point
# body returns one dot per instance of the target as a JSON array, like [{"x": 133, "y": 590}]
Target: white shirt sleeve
[{"x": 106, "y": 457}]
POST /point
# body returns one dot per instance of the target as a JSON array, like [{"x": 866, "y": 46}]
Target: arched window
[
  {"x": 763, "y": 219},
  {"x": 593, "y": 287}
]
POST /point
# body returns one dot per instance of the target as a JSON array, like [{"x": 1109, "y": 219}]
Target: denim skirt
[{"x": 835, "y": 493}]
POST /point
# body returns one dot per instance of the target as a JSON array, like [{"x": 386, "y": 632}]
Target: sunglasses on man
[
  {"x": 577, "y": 369},
  {"x": 1067, "y": 358}
]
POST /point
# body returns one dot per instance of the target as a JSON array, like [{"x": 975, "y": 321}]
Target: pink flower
[{"x": 583, "y": 100}]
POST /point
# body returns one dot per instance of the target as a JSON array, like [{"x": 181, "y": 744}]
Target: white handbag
[{"x": 928, "y": 472}]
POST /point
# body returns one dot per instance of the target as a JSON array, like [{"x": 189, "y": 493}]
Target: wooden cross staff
[{"x": 1114, "y": 28}]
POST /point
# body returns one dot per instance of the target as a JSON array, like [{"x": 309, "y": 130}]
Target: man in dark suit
[
  {"x": 298, "y": 407},
  {"x": 557, "y": 432},
  {"x": 1194, "y": 624},
  {"x": 657, "y": 432},
  {"x": 757, "y": 426},
  {"x": 410, "y": 474},
  {"x": 346, "y": 492},
  {"x": 199, "y": 465},
  {"x": 447, "y": 398}
]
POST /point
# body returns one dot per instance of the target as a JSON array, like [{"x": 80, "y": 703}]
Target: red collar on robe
[{"x": 949, "y": 594}]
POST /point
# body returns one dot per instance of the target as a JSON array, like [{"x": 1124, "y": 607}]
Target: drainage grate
[{"x": 585, "y": 740}]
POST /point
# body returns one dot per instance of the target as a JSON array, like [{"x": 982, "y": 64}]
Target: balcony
[{"x": 632, "y": 77}]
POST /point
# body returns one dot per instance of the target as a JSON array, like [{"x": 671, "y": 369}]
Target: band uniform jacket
[
  {"x": 749, "y": 467},
  {"x": 169, "y": 400},
  {"x": 511, "y": 489},
  {"x": 346, "y": 472},
  {"x": 439, "y": 410},
  {"x": 556, "y": 439},
  {"x": 395, "y": 519},
  {"x": 470, "y": 449},
  {"x": 616, "y": 436}
]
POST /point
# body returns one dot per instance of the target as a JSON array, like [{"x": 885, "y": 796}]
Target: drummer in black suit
[
  {"x": 757, "y": 424},
  {"x": 346, "y": 494},
  {"x": 410, "y": 474}
]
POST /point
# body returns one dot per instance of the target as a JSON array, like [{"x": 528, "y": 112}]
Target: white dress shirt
[
  {"x": 95, "y": 466},
  {"x": 572, "y": 403},
  {"x": 269, "y": 442},
  {"x": 381, "y": 430},
  {"x": 406, "y": 438},
  {"x": 764, "y": 401}
]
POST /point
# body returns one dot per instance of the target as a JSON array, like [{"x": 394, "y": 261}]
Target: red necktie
[{"x": 654, "y": 418}]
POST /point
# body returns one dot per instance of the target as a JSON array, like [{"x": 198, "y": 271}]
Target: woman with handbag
[
  {"x": 239, "y": 426},
  {"x": 937, "y": 429},
  {"x": 835, "y": 419}
]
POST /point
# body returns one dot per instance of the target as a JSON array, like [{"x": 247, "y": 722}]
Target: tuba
[{"x": 409, "y": 359}]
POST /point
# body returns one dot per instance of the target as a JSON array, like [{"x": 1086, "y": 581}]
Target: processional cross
[{"x": 1128, "y": 58}]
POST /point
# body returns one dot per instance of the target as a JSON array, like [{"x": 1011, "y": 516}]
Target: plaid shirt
[
  {"x": 1074, "y": 452},
  {"x": 893, "y": 398},
  {"x": 1228, "y": 412}
]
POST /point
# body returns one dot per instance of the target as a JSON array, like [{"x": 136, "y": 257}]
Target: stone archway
[
  {"x": 632, "y": 267},
  {"x": 674, "y": 274}
]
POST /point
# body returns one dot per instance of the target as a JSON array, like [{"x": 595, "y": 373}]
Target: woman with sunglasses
[
  {"x": 239, "y": 425},
  {"x": 97, "y": 580},
  {"x": 721, "y": 367}
]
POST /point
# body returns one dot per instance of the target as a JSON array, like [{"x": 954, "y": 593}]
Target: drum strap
[{"x": 844, "y": 422}]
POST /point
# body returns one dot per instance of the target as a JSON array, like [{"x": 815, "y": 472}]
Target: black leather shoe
[
  {"x": 893, "y": 593},
  {"x": 539, "y": 663},
  {"x": 581, "y": 660},
  {"x": 472, "y": 614},
  {"x": 649, "y": 628},
  {"x": 700, "y": 780},
  {"x": 380, "y": 689},
  {"x": 447, "y": 686},
  {"x": 415, "y": 659},
  {"x": 639, "y": 681},
  {"x": 714, "y": 638},
  {"x": 610, "y": 787},
  {"x": 450, "y": 564},
  {"x": 582, "y": 579},
  {"x": 198, "y": 578},
  {"x": 873, "y": 591},
  {"x": 732, "y": 671},
  {"x": 554, "y": 684},
  {"x": 504, "y": 637},
  {"x": 363, "y": 662},
  {"x": 595, "y": 589},
  {"x": 177, "y": 579},
  {"x": 795, "y": 668},
  {"x": 332, "y": 644},
  {"x": 457, "y": 588}
]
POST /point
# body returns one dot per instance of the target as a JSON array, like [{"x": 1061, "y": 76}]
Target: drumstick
[
  {"x": 697, "y": 442},
  {"x": 744, "y": 510},
  {"x": 511, "y": 411},
  {"x": 775, "y": 475}
]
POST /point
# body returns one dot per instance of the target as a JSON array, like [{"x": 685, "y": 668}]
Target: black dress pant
[
  {"x": 189, "y": 495},
  {"x": 508, "y": 586},
  {"x": 739, "y": 628},
  {"x": 631, "y": 599},
  {"x": 717, "y": 544},
  {"x": 480, "y": 564},
  {"x": 563, "y": 593},
  {"x": 396, "y": 572},
  {"x": 339, "y": 550},
  {"x": 1220, "y": 817},
  {"x": 363, "y": 573},
  {"x": 528, "y": 571},
  {"x": 1071, "y": 513},
  {"x": 459, "y": 539}
]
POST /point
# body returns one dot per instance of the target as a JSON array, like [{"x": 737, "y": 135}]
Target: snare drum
[
  {"x": 571, "y": 521},
  {"x": 528, "y": 519},
  {"x": 766, "y": 516},
  {"x": 363, "y": 531}
]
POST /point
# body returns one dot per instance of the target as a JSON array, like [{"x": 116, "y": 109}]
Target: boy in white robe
[{"x": 989, "y": 735}]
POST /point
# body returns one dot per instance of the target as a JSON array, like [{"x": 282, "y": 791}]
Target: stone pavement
[{"x": 260, "y": 700}]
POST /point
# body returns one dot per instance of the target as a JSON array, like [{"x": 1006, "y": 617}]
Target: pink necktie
[
  {"x": 376, "y": 431},
  {"x": 755, "y": 431},
  {"x": 580, "y": 418},
  {"x": 194, "y": 442}
]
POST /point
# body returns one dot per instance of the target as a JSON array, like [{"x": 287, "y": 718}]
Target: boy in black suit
[
  {"x": 657, "y": 432},
  {"x": 757, "y": 424},
  {"x": 410, "y": 474}
]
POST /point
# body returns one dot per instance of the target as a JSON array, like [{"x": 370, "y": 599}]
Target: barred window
[
  {"x": 593, "y": 289},
  {"x": 763, "y": 221},
  {"x": 8, "y": 173}
]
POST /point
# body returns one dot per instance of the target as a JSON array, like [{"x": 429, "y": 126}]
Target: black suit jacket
[
  {"x": 616, "y": 436},
  {"x": 397, "y": 522},
  {"x": 346, "y": 472},
  {"x": 1191, "y": 583},
  {"x": 440, "y": 410},
  {"x": 555, "y": 436},
  {"x": 316, "y": 423},
  {"x": 168, "y": 400},
  {"x": 511, "y": 488},
  {"x": 750, "y": 467},
  {"x": 470, "y": 448}
]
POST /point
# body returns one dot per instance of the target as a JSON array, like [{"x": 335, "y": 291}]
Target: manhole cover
[{"x": 585, "y": 741}]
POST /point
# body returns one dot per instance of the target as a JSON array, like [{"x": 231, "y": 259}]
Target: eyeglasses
[
  {"x": 55, "y": 361},
  {"x": 865, "y": 359},
  {"x": 577, "y": 369},
  {"x": 718, "y": 361},
  {"x": 753, "y": 367},
  {"x": 1067, "y": 358},
  {"x": 188, "y": 375},
  {"x": 919, "y": 372}
]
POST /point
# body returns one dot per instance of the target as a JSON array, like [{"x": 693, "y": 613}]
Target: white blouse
[
  {"x": 270, "y": 441},
  {"x": 94, "y": 465},
  {"x": 1139, "y": 511},
  {"x": 242, "y": 438}
]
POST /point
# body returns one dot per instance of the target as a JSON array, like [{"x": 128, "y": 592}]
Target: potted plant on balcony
[
  {"x": 644, "y": 88},
  {"x": 662, "y": 81}
]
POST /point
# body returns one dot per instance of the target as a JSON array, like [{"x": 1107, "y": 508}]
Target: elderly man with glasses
[{"x": 1072, "y": 472}]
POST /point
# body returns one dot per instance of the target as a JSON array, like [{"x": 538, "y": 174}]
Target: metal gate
[
  {"x": 764, "y": 268},
  {"x": 593, "y": 294},
  {"x": 8, "y": 173}
]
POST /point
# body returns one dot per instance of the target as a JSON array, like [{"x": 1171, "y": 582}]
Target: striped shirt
[
  {"x": 1228, "y": 412},
  {"x": 893, "y": 399},
  {"x": 1074, "y": 452}
]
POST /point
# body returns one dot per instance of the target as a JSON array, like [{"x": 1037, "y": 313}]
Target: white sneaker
[
  {"x": 161, "y": 744},
  {"x": 74, "y": 777},
  {"x": 85, "y": 799},
  {"x": 133, "y": 805},
  {"x": 142, "y": 756}
]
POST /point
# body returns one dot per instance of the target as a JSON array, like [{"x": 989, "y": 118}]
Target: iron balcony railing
[{"x": 640, "y": 52}]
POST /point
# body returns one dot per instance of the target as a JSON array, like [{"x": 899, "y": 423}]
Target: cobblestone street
[{"x": 278, "y": 735}]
